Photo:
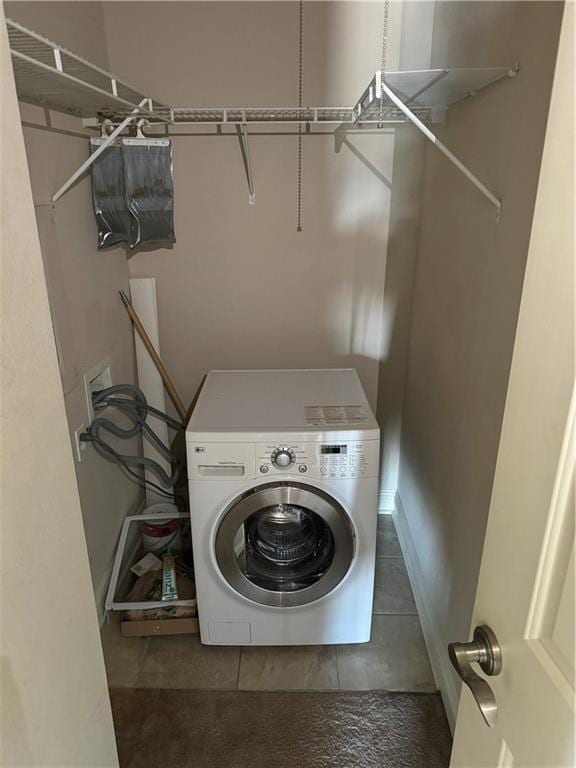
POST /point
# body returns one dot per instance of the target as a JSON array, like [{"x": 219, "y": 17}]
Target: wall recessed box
[{"x": 97, "y": 378}]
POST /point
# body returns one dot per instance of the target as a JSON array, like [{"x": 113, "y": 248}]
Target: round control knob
[{"x": 283, "y": 458}]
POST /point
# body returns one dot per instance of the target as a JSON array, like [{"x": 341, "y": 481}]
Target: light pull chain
[
  {"x": 300, "y": 59},
  {"x": 384, "y": 50}
]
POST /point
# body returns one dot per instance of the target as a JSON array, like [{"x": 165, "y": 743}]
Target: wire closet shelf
[{"x": 48, "y": 75}]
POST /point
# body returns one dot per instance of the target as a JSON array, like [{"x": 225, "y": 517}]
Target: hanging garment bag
[
  {"x": 149, "y": 190},
  {"x": 109, "y": 196},
  {"x": 133, "y": 193}
]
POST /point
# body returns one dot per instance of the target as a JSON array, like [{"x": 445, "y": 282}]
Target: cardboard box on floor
[{"x": 145, "y": 627}]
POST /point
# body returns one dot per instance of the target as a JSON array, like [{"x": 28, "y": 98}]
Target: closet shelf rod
[
  {"x": 312, "y": 116},
  {"x": 94, "y": 156},
  {"x": 436, "y": 141}
]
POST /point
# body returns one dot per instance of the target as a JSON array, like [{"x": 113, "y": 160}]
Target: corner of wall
[{"x": 416, "y": 22}]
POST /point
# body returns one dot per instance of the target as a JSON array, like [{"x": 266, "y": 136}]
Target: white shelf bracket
[
  {"x": 94, "y": 156},
  {"x": 242, "y": 131},
  {"x": 436, "y": 141},
  {"x": 339, "y": 137}
]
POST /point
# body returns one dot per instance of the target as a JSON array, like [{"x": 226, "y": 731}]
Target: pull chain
[
  {"x": 299, "y": 162},
  {"x": 384, "y": 53}
]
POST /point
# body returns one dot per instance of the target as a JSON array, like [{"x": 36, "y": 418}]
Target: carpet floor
[{"x": 158, "y": 728}]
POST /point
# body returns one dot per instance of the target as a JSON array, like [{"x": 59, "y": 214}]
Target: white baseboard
[
  {"x": 386, "y": 502},
  {"x": 443, "y": 673}
]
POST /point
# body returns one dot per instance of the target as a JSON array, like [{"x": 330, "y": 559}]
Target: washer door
[{"x": 284, "y": 544}]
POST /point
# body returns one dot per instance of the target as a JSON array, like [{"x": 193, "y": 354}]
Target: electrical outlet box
[
  {"x": 78, "y": 444},
  {"x": 99, "y": 377}
]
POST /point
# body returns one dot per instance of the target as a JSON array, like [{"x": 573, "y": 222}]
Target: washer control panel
[
  {"x": 322, "y": 460},
  {"x": 343, "y": 460},
  {"x": 336, "y": 459}
]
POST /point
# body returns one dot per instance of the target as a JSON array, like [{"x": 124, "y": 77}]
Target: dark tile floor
[{"x": 395, "y": 659}]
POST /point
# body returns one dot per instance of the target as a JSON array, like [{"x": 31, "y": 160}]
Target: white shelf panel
[
  {"x": 426, "y": 91},
  {"x": 443, "y": 87},
  {"x": 51, "y": 76}
]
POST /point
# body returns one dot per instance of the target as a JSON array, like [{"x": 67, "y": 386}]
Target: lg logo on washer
[{"x": 220, "y": 461}]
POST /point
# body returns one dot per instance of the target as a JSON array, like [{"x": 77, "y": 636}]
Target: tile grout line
[{"x": 239, "y": 665}]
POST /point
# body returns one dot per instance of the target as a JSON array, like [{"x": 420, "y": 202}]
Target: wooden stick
[{"x": 170, "y": 388}]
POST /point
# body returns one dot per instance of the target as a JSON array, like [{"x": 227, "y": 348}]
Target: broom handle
[{"x": 170, "y": 388}]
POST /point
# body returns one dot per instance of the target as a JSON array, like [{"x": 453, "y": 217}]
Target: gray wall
[
  {"x": 90, "y": 324},
  {"x": 467, "y": 287},
  {"x": 241, "y": 288}
]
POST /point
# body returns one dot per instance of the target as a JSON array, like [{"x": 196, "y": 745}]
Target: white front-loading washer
[{"x": 283, "y": 475}]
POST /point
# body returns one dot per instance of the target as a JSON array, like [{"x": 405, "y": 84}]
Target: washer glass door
[{"x": 284, "y": 544}]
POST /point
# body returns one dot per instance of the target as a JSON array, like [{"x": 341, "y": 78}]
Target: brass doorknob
[{"x": 483, "y": 650}]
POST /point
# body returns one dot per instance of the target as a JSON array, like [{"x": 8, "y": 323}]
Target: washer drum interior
[{"x": 284, "y": 544}]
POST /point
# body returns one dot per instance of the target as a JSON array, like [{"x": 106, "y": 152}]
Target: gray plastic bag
[
  {"x": 149, "y": 191},
  {"x": 109, "y": 197},
  {"x": 133, "y": 193}
]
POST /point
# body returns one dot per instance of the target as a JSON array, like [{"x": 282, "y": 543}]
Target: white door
[{"x": 526, "y": 586}]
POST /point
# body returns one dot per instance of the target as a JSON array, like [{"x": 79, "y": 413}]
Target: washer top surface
[{"x": 307, "y": 401}]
